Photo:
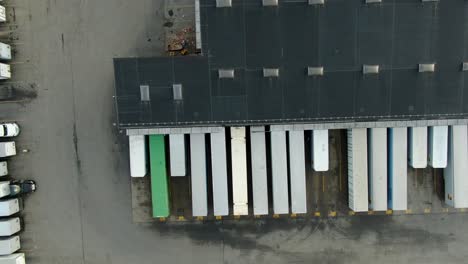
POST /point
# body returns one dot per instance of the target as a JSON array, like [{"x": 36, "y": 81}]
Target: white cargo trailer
[
  {"x": 4, "y": 188},
  {"x": 9, "y": 245},
  {"x": 455, "y": 174},
  {"x": 17, "y": 258},
  {"x": 259, "y": 170},
  {"x": 198, "y": 174},
  {"x": 279, "y": 169},
  {"x": 10, "y": 226},
  {"x": 320, "y": 156},
  {"x": 398, "y": 168},
  {"x": 177, "y": 155},
  {"x": 219, "y": 173},
  {"x": 357, "y": 170},
  {"x": 7, "y": 149},
  {"x": 377, "y": 151},
  {"x": 239, "y": 171},
  {"x": 3, "y": 168},
  {"x": 5, "y": 51},
  {"x": 9, "y": 207},
  {"x": 297, "y": 172},
  {"x": 418, "y": 147},
  {"x": 438, "y": 145},
  {"x": 5, "y": 71},
  {"x": 138, "y": 160}
]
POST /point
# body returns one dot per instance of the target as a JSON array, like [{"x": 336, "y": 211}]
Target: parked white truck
[
  {"x": 17, "y": 258},
  {"x": 7, "y": 149},
  {"x": 4, "y": 188},
  {"x": 9, "y": 245},
  {"x": 5, "y": 51},
  {"x": 5, "y": 71},
  {"x": 9, "y": 129},
  {"x": 3, "y": 168},
  {"x": 9, "y": 227},
  {"x": 9, "y": 207}
]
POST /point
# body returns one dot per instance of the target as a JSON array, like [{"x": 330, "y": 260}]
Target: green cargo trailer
[{"x": 159, "y": 182}]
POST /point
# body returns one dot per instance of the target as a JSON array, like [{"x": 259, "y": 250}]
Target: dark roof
[{"x": 341, "y": 36}]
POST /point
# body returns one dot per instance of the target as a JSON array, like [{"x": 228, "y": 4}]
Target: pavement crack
[
  {"x": 77, "y": 160},
  {"x": 63, "y": 43},
  {"x": 75, "y": 145}
]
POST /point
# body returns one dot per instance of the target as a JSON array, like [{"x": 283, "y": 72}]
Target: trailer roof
[{"x": 256, "y": 59}]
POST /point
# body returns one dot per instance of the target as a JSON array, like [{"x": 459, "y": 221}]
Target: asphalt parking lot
[{"x": 82, "y": 212}]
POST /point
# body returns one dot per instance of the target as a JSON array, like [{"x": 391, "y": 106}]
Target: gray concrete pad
[{"x": 82, "y": 212}]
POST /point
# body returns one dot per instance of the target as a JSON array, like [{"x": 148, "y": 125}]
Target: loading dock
[
  {"x": 159, "y": 184},
  {"x": 177, "y": 155},
  {"x": 259, "y": 170},
  {"x": 297, "y": 172},
  {"x": 239, "y": 171},
  {"x": 357, "y": 169},
  {"x": 279, "y": 169},
  {"x": 397, "y": 168},
  {"x": 198, "y": 180},
  {"x": 219, "y": 174},
  {"x": 377, "y": 152}
]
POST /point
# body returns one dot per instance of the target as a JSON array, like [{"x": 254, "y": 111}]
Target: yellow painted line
[
  {"x": 218, "y": 217},
  {"x": 293, "y": 215},
  {"x": 351, "y": 213},
  {"x": 332, "y": 214},
  {"x": 409, "y": 211},
  {"x": 257, "y": 216},
  {"x": 317, "y": 214},
  {"x": 389, "y": 212},
  {"x": 199, "y": 218},
  {"x": 462, "y": 210},
  {"x": 275, "y": 216},
  {"x": 427, "y": 211},
  {"x": 181, "y": 218},
  {"x": 370, "y": 212},
  {"x": 445, "y": 210},
  {"x": 237, "y": 217},
  {"x": 162, "y": 219}
]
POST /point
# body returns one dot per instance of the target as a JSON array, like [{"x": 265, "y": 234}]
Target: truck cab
[{"x": 9, "y": 130}]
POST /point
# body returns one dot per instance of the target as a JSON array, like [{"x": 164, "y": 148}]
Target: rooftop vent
[
  {"x": 177, "y": 91},
  {"x": 314, "y": 71},
  {"x": 270, "y": 72},
  {"x": 370, "y": 69},
  {"x": 270, "y": 2},
  {"x": 223, "y": 3},
  {"x": 144, "y": 93},
  {"x": 465, "y": 66},
  {"x": 316, "y": 2},
  {"x": 226, "y": 73},
  {"x": 429, "y": 67}
]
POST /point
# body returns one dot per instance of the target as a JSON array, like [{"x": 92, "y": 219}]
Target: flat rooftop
[{"x": 301, "y": 63}]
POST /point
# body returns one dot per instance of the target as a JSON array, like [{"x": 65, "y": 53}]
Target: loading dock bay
[{"x": 327, "y": 192}]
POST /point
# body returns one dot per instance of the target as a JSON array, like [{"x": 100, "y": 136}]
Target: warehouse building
[{"x": 274, "y": 77}]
